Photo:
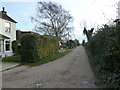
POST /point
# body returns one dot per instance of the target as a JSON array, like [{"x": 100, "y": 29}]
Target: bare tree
[
  {"x": 87, "y": 32},
  {"x": 86, "y": 24},
  {"x": 52, "y": 19}
]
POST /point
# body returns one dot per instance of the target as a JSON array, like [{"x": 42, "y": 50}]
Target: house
[{"x": 7, "y": 33}]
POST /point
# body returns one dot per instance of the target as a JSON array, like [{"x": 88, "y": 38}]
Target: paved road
[{"x": 70, "y": 71}]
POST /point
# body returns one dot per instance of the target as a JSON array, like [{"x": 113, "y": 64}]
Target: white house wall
[
  {"x": 1, "y": 24},
  {"x": 11, "y": 35}
]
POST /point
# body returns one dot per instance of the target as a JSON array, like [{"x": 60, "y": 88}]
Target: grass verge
[{"x": 17, "y": 58}]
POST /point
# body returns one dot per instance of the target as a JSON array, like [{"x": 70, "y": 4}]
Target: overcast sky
[{"x": 94, "y": 12}]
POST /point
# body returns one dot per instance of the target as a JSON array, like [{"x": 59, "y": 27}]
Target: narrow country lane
[{"x": 70, "y": 71}]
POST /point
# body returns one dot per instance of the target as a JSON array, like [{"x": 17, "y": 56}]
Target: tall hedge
[
  {"x": 35, "y": 47},
  {"x": 104, "y": 47}
]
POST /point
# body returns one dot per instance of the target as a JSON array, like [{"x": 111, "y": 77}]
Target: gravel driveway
[{"x": 70, "y": 71}]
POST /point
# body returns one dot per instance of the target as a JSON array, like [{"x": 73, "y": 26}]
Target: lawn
[{"x": 17, "y": 58}]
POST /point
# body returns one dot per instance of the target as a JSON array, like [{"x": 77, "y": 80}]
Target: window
[
  {"x": 7, "y": 27},
  {"x": 7, "y": 45}
]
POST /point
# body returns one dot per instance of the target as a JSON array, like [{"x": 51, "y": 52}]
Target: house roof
[
  {"x": 3, "y": 37},
  {"x": 3, "y": 15}
]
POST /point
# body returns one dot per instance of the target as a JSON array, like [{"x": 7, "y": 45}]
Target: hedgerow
[
  {"x": 105, "y": 50},
  {"x": 35, "y": 47}
]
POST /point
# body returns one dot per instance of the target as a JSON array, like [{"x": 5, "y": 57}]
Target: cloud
[{"x": 95, "y": 12}]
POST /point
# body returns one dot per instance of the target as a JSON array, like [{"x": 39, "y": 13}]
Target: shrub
[
  {"x": 19, "y": 49},
  {"x": 70, "y": 44},
  {"x": 15, "y": 47},
  {"x": 35, "y": 47},
  {"x": 104, "y": 47}
]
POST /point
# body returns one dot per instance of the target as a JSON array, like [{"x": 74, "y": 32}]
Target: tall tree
[
  {"x": 52, "y": 19},
  {"x": 88, "y": 33}
]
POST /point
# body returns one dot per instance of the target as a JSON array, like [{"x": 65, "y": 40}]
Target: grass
[{"x": 17, "y": 58}]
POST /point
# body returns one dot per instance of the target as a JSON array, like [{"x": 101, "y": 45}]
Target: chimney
[{"x": 3, "y": 11}]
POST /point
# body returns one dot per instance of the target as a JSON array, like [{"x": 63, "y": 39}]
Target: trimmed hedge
[{"x": 35, "y": 47}]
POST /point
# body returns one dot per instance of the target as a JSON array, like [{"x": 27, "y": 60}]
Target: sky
[{"x": 89, "y": 13}]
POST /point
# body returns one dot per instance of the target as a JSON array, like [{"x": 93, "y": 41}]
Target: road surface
[{"x": 70, "y": 71}]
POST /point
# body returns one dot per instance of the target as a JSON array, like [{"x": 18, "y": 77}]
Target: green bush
[
  {"x": 35, "y": 47},
  {"x": 104, "y": 47},
  {"x": 15, "y": 47},
  {"x": 70, "y": 44},
  {"x": 19, "y": 49}
]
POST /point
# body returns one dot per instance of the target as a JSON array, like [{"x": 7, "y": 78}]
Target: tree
[
  {"x": 88, "y": 33},
  {"x": 52, "y": 19},
  {"x": 84, "y": 25},
  {"x": 83, "y": 42},
  {"x": 76, "y": 42},
  {"x": 70, "y": 44}
]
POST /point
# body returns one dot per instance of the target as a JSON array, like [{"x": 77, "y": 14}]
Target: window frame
[
  {"x": 7, "y": 27},
  {"x": 6, "y": 44}
]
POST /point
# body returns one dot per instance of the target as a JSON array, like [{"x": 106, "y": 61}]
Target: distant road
[{"x": 70, "y": 71}]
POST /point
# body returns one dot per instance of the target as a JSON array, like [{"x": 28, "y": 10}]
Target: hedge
[
  {"x": 104, "y": 47},
  {"x": 15, "y": 47},
  {"x": 35, "y": 47}
]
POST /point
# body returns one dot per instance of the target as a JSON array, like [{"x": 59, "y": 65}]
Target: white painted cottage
[{"x": 7, "y": 33}]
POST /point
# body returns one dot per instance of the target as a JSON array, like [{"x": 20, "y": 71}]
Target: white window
[
  {"x": 7, "y": 45},
  {"x": 7, "y": 27}
]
